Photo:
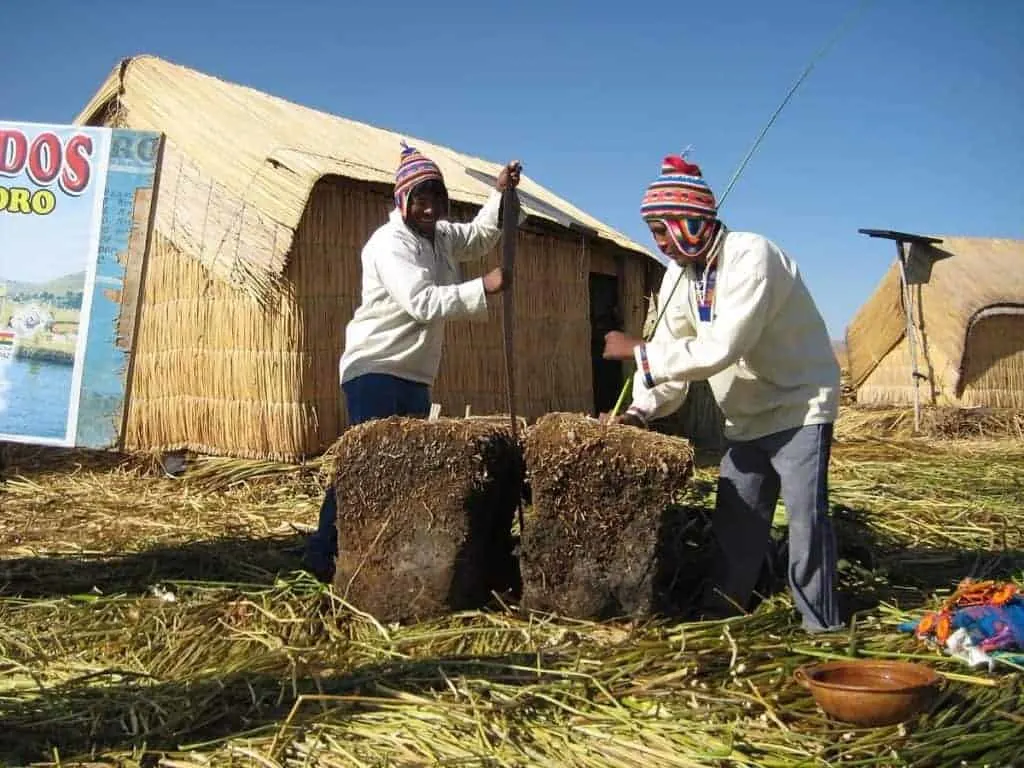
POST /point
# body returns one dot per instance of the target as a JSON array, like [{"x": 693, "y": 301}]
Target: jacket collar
[
  {"x": 396, "y": 220},
  {"x": 718, "y": 247}
]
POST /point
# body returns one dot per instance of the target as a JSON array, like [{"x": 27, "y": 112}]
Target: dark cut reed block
[
  {"x": 605, "y": 535},
  {"x": 425, "y": 511}
]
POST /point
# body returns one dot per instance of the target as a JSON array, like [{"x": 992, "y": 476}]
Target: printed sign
[{"x": 75, "y": 208}]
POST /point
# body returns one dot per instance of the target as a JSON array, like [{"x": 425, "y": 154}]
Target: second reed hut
[
  {"x": 262, "y": 209},
  {"x": 965, "y": 300}
]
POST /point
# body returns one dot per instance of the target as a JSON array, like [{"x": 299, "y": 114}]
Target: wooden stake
[{"x": 911, "y": 342}]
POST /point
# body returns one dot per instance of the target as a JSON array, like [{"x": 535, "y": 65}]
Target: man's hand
[
  {"x": 494, "y": 281},
  {"x": 509, "y": 176},
  {"x": 619, "y": 346},
  {"x": 631, "y": 420},
  {"x": 627, "y": 419}
]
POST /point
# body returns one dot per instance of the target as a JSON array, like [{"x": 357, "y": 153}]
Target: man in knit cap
[
  {"x": 742, "y": 319},
  {"x": 410, "y": 287}
]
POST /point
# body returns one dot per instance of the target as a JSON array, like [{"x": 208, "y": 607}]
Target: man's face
[
  {"x": 695, "y": 240},
  {"x": 666, "y": 244},
  {"x": 427, "y": 204}
]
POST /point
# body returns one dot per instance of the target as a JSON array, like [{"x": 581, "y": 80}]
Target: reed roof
[
  {"x": 241, "y": 164},
  {"x": 952, "y": 282}
]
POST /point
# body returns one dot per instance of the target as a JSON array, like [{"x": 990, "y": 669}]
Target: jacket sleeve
[
  {"x": 658, "y": 402},
  {"x": 412, "y": 287},
  {"x": 741, "y": 312},
  {"x": 475, "y": 238},
  {"x": 650, "y": 403}
]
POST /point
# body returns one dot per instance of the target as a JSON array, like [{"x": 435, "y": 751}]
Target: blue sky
[{"x": 914, "y": 121}]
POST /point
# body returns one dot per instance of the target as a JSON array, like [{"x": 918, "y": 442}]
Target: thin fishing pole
[{"x": 843, "y": 28}]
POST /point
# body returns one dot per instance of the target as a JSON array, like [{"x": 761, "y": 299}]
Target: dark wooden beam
[{"x": 902, "y": 237}]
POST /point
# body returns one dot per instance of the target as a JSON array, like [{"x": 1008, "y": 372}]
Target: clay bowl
[{"x": 870, "y": 693}]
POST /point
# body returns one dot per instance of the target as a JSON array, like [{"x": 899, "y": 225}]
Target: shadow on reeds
[
  {"x": 228, "y": 559},
  {"x": 682, "y": 559},
  {"x": 876, "y": 569},
  {"x": 89, "y": 717},
  {"x": 34, "y": 460}
]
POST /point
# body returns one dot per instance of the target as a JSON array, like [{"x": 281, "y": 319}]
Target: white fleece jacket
[
  {"x": 410, "y": 287},
  {"x": 765, "y": 351}
]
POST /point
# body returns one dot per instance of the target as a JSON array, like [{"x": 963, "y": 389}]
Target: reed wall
[
  {"x": 890, "y": 382},
  {"x": 553, "y": 366},
  {"x": 993, "y": 370},
  {"x": 994, "y": 361},
  {"x": 215, "y": 373},
  {"x": 212, "y": 374}
]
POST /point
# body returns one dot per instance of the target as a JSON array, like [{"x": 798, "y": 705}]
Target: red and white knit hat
[{"x": 680, "y": 192}]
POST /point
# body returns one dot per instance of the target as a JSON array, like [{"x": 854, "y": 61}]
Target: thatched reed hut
[
  {"x": 966, "y": 299},
  {"x": 262, "y": 209}
]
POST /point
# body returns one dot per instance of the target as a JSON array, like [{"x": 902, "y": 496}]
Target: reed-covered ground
[{"x": 147, "y": 620}]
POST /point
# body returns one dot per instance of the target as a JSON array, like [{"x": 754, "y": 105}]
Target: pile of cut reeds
[
  {"x": 287, "y": 675},
  {"x": 151, "y": 621},
  {"x": 858, "y": 422}
]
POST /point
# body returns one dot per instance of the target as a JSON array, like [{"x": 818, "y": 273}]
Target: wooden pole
[
  {"x": 509, "y": 235},
  {"x": 139, "y": 298},
  {"x": 902, "y": 239},
  {"x": 911, "y": 341}
]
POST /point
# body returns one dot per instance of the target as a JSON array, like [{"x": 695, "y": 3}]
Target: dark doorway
[{"x": 604, "y": 316}]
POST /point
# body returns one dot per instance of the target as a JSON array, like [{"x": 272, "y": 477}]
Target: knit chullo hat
[
  {"x": 680, "y": 192},
  {"x": 681, "y": 200},
  {"x": 414, "y": 168}
]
